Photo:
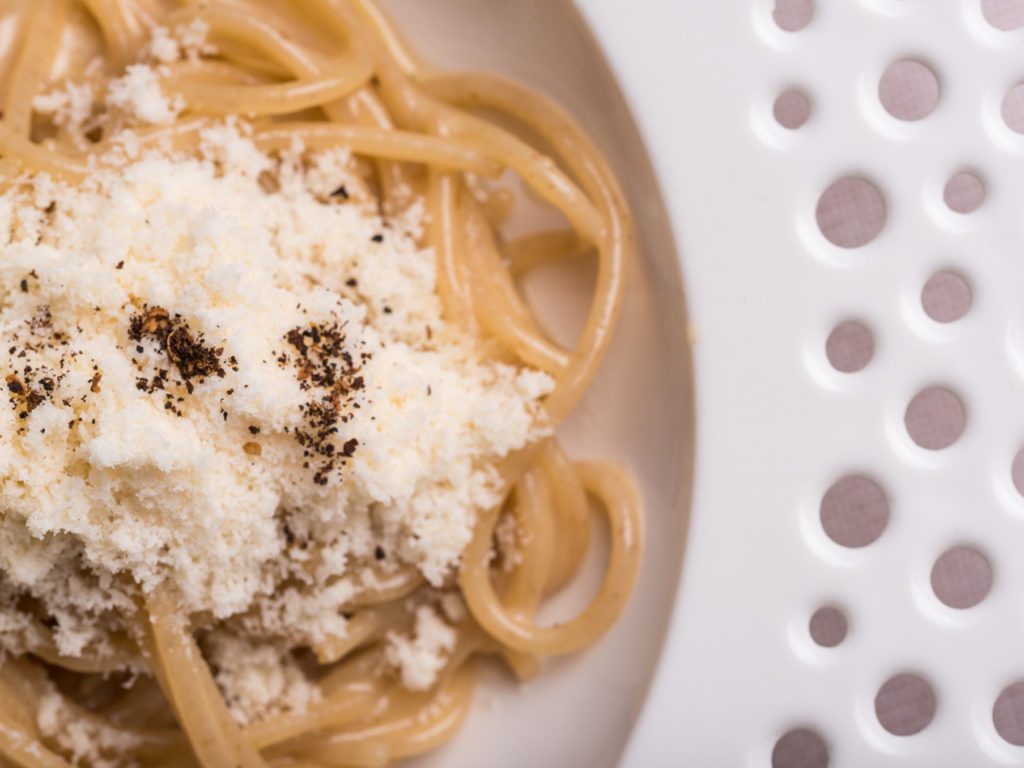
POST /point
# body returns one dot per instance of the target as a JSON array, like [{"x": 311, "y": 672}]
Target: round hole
[
  {"x": 1008, "y": 714},
  {"x": 935, "y": 418},
  {"x": 1013, "y": 108},
  {"x": 854, "y": 512},
  {"x": 793, "y": 15},
  {"x": 964, "y": 193},
  {"x": 961, "y": 577},
  {"x": 1017, "y": 472},
  {"x": 905, "y": 705},
  {"x": 791, "y": 109},
  {"x": 800, "y": 748},
  {"x": 1004, "y": 14},
  {"x": 909, "y": 90},
  {"x": 946, "y": 297},
  {"x": 828, "y": 627},
  {"x": 850, "y": 347},
  {"x": 851, "y": 212}
]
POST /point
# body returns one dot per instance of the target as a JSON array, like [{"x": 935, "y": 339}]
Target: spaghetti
[{"x": 336, "y": 73}]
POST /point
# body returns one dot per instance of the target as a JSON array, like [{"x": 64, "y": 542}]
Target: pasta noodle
[{"x": 418, "y": 133}]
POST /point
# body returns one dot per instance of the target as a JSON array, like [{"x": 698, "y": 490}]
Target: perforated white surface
[{"x": 934, "y": 419}]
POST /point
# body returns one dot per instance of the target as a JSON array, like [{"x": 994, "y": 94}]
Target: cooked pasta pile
[{"x": 278, "y": 464}]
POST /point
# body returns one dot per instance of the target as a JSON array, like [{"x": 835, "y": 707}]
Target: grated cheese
[
  {"x": 508, "y": 539},
  {"x": 258, "y": 681},
  {"x": 192, "y": 40},
  {"x": 89, "y": 741},
  {"x": 70, "y": 107},
  {"x": 162, "y": 46},
  {"x": 420, "y": 657},
  {"x": 171, "y": 332},
  {"x": 137, "y": 94},
  {"x": 185, "y": 42},
  {"x": 135, "y": 98}
]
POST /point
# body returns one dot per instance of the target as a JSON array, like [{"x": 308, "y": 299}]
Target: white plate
[
  {"x": 777, "y": 425},
  {"x": 580, "y": 711}
]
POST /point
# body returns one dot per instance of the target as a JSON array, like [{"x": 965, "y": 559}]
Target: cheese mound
[{"x": 229, "y": 371}]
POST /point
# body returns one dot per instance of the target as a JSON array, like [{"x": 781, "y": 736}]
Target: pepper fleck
[
  {"x": 193, "y": 358},
  {"x": 326, "y": 370}
]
